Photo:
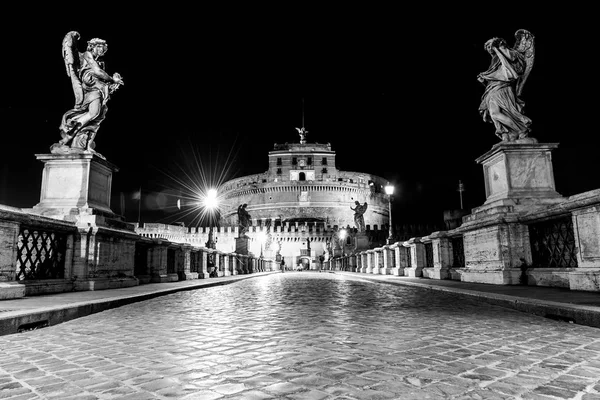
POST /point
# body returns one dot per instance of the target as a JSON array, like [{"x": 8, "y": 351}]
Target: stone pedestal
[
  {"x": 362, "y": 242},
  {"x": 242, "y": 245},
  {"x": 518, "y": 179},
  {"x": 75, "y": 184},
  {"x": 519, "y": 175}
]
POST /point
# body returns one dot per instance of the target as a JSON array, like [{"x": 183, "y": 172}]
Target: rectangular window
[
  {"x": 324, "y": 170},
  {"x": 324, "y": 161},
  {"x": 278, "y": 171},
  {"x": 294, "y": 161},
  {"x": 278, "y": 160},
  {"x": 309, "y": 161}
]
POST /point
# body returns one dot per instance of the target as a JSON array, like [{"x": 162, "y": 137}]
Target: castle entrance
[{"x": 303, "y": 263}]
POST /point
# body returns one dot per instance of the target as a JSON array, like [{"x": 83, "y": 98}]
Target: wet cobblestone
[{"x": 304, "y": 336}]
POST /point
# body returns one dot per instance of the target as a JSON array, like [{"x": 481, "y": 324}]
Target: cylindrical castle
[{"x": 301, "y": 185}]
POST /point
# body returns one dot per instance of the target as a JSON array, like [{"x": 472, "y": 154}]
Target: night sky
[{"x": 394, "y": 93}]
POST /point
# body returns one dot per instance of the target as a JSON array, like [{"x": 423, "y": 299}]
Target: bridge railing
[
  {"x": 562, "y": 248},
  {"x": 41, "y": 255}
]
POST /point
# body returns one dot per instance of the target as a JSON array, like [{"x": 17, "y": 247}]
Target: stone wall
[{"x": 328, "y": 201}]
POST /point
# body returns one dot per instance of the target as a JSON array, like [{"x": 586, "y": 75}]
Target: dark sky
[{"x": 394, "y": 93}]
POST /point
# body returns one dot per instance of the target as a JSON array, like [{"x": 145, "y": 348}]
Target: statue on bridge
[
  {"x": 244, "y": 220},
  {"x": 92, "y": 87},
  {"x": 504, "y": 80},
  {"x": 359, "y": 219}
]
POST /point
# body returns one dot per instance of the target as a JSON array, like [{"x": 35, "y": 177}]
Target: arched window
[{"x": 301, "y": 176}]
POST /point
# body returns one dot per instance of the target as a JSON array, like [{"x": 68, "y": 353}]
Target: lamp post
[
  {"x": 389, "y": 190},
  {"x": 210, "y": 203},
  {"x": 342, "y": 236},
  {"x": 262, "y": 238}
]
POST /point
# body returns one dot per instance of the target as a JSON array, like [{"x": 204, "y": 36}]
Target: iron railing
[
  {"x": 195, "y": 260},
  {"x": 458, "y": 252},
  {"x": 140, "y": 261},
  {"x": 40, "y": 254},
  {"x": 429, "y": 255},
  {"x": 553, "y": 243},
  {"x": 171, "y": 261}
]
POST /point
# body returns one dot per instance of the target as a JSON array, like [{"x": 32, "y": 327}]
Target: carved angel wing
[
  {"x": 72, "y": 60},
  {"x": 525, "y": 44}
]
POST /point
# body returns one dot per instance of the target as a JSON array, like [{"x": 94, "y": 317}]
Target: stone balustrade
[
  {"x": 41, "y": 255},
  {"x": 559, "y": 246}
]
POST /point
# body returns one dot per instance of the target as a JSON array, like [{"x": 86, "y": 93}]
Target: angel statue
[
  {"x": 303, "y": 132},
  {"x": 92, "y": 87},
  {"x": 359, "y": 212},
  {"x": 501, "y": 103},
  {"x": 244, "y": 220}
]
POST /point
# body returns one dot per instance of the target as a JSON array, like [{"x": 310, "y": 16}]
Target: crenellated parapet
[{"x": 283, "y": 235}]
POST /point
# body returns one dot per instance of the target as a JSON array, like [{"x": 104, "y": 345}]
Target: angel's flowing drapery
[
  {"x": 94, "y": 89},
  {"x": 506, "y": 69}
]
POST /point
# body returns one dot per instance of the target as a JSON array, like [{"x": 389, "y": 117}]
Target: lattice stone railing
[
  {"x": 40, "y": 254},
  {"x": 429, "y": 255},
  {"x": 553, "y": 243},
  {"x": 458, "y": 252}
]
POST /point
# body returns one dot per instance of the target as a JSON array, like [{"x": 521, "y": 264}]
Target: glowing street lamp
[
  {"x": 210, "y": 200},
  {"x": 389, "y": 190},
  {"x": 342, "y": 235},
  {"x": 210, "y": 203}
]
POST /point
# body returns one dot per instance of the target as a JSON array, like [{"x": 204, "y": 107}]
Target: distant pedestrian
[{"x": 282, "y": 264}]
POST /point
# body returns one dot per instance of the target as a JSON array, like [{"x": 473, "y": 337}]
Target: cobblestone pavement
[{"x": 304, "y": 335}]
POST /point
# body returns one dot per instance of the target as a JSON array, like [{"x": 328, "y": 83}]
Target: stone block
[
  {"x": 9, "y": 232},
  {"x": 159, "y": 278},
  {"x": 11, "y": 290},
  {"x": 554, "y": 277},
  {"x": 436, "y": 273},
  {"x": 587, "y": 279},
  {"x": 413, "y": 272},
  {"x": 586, "y": 226},
  {"x": 495, "y": 277},
  {"x": 48, "y": 286},
  {"x": 242, "y": 245}
]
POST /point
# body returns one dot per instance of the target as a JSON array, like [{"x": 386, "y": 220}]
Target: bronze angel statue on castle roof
[
  {"x": 92, "y": 87},
  {"x": 501, "y": 102}
]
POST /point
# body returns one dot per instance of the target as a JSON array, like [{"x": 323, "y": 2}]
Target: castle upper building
[{"x": 304, "y": 185}]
